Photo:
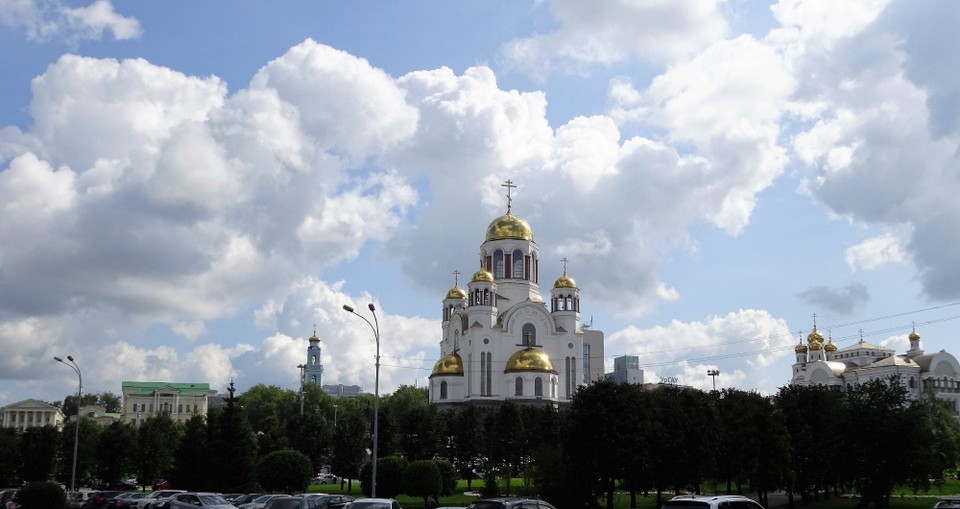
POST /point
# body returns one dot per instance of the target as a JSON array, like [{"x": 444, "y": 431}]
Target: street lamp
[
  {"x": 375, "y": 327},
  {"x": 76, "y": 429},
  {"x": 302, "y": 367},
  {"x": 713, "y": 373}
]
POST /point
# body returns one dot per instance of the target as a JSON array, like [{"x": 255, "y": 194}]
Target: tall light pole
[
  {"x": 76, "y": 428},
  {"x": 376, "y": 388},
  {"x": 302, "y": 367},
  {"x": 713, "y": 373}
]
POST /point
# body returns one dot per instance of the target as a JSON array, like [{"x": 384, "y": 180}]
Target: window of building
[
  {"x": 498, "y": 264},
  {"x": 538, "y": 387},
  {"x": 517, "y": 264},
  {"x": 443, "y": 390},
  {"x": 529, "y": 335},
  {"x": 518, "y": 389}
]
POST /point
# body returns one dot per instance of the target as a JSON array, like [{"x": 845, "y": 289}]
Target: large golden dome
[
  {"x": 815, "y": 336},
  {"x": 565, "y": 281},
  {"x": 449, "y": 365},
  {"x": 509, "y": 226},
  {"x": 530, "y": 359},
  {"x": 456, "y": 293}
]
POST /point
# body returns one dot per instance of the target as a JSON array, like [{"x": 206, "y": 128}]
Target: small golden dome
[
  {"x": 482, "y": 275},
  {"x": 815, "y": 336},
  {"x": 509, "y": 226},
  {"x": 816, "y": 346},
  {"x": 565, "y": 281},
  {"x": 314, "y": 337},
  {"x": 529, "y": 359},
  {"x": 914, "y": 336},
  {"x": 830, "y": 347},
  {"x": 801, "y": 348},
  {"x": 449, "y": 365},
  {"x": 456, "y": 293}
]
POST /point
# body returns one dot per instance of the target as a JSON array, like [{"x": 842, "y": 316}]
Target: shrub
[
  {"x": 421, "y": 479},
  {"x": 448, "y": 472},
  {"x": 41, "y": 495},
  {"x": 389, "y": 477},
  {"x": 286, "y": 471}
]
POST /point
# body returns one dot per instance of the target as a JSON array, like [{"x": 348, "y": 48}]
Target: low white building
[
  {"x": 822, "y": 363},
  {"x": 31, "y": 413},
  {"x": 142, "y": 400}
]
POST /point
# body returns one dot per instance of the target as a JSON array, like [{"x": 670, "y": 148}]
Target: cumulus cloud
[
  {"x": 875, "y": 252},
  {"x": 610, "y": 32},
  {"x": 838, "y": 300},
  {"x": 46, "y": 20},
  {"x": 741, "y": 344}
]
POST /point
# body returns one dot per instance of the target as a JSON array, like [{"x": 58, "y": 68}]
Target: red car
[{"x": 163, "y": 484}]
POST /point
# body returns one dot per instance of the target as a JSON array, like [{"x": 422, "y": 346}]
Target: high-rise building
[{"x": 626, "y": 370}]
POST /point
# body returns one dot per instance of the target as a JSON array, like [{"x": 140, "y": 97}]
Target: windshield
[{"x": 212, "y": 500}]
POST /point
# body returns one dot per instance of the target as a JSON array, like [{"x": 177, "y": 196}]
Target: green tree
[
  {"x": 157, "y": 440},
  {"x": 506, "y": 444},
  {"x": 422, "y": 478},
  {"x": 409, "y": 413},
  {"x": 464, "y": 445},
  {"x": 41, "y": 495},
  {"x": 812, "y": 415},
  {"x": 191, "y": 457},
  {"x": 310, "y": 434},
  {"x": 38, "y": 453},
  {"x": 448, "y": 476},
  {"x": 389, "y": 476},
  {"x": 232, "y": 467},
  {"x": 287, "y": 471},
  {"x": 9, "y": 464},
  {"x": 348, "y": 452},
  {"x": 89, "y": 438},
  {"x": 115, "y": 452}
]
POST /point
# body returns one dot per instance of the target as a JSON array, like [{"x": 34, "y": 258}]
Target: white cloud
[
  {"x": 610, "y": 32},
  {"x": 875, "y": 252},
  {"x": 45, "y": 20}
]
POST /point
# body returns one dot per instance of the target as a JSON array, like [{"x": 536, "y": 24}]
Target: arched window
[
  {"x": 498, "y": 264},
  {"x": 538, "y": 387},
  {"x": 518, "y": 391},
  {"x": 313, "y": 359},
  {"x": 913, "y": 383},
  {"x": 443, "y": 390},
  {"x": 529, "y": 335},
  {"x": 517, "y": 264},
  {"x": 313, "y": 378}
]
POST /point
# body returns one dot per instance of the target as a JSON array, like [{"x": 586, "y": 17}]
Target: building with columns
[
  {"x": 501, "y": 339},
  {"x": 142, "y": 400},
  {"x": 820, "y": 362},
  {"x": 31, "y": 413}
]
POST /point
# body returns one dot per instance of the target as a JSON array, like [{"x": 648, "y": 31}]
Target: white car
[
  {"x": 326, "y": 479},
  {"x": 711, "y": 502},
  {"x": 190, "y": 500}
]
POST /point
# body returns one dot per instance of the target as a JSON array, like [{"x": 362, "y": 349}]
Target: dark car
[
  {"x": 124, "y": 500},
  {"x": 510, "y": 503},
  {"x": 242, "y": 498},
  {"x": 310, "y": 501},
  {"x": 99, "y": 499},
  {"x": 375, "y": 503}
]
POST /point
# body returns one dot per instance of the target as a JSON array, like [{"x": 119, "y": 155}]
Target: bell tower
[{"x": 313, "y": 370}]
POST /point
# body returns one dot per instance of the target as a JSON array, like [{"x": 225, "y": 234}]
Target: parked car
[
  {"x": 711, "y": 502},
  {"x": 242, "y": 499},
  {"x": 123, "y": 500},
  {"x": 261, "y": 501},
  {"x": 326, "y": 479},
  {"x": 326, "y": 500},
  {"x": 948, "y": 503},
  {"x": 192, "y": 499},
  {"x": 374, "y": 503},
  {"x": 148, "y": 501},
  {"x": 510, "y": 503},
  {"x": 99, "y": 499}
]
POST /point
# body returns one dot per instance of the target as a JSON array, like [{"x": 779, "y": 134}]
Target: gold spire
[
  {"x": 913, "y": 335},
  {"x": 800, "y": 348},
  {"x": 565, "y": 281},
  {"x": 509, "y": 226},
  {"x": 456, "y": 292}
]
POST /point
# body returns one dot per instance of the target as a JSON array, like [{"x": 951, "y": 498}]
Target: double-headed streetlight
[
  {"x": 302, "y": 367},
  {"x": 375, "y": 326},
  {"x": 76, "y": 429},
  {"x": 713, "y": 373}
]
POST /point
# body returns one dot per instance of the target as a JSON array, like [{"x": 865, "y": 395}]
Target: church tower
[
  {"x": 500, "y": 341},
  {"x": 313, "y": 370}
]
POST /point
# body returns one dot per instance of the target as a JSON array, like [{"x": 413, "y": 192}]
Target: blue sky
[{"x": 189, "y": 188}]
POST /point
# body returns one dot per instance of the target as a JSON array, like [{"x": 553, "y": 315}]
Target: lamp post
[
  {"x": 302, "y": 367},
  {"x": 713, "y": 373},
  {"x": 375, "y": 327},
  {"x": 76, "y": 428}
]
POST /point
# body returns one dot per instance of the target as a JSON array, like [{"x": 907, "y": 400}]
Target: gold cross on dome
[
  {"x": 564, "y": 260},
  {"x": 509, "y": 185},
  {"x": 456, "y": 277}
]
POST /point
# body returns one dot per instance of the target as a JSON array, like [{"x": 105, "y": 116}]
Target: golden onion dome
[
  {"x": 456, "y": 293},
  {"x": 314, "y": 337},
  {"x": 449, "y": 365},
  {"x": 816, "y": 346},
  {"x": 801, "y": 348},
  {"x": 482, "y": 276},
  {"x": 830, "y": 347},
  {"x": 509, "y": 226},
  {"x": 529, "y": 359},
  {"x": 815, "y": 336},
  {"x": 565, "y": 281},
  {"x": 914, "y": 336}
]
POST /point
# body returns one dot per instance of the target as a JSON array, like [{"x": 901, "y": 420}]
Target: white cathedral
[
  {"x": 822, "y": 363},
  {"x": 499, "y": 339}
]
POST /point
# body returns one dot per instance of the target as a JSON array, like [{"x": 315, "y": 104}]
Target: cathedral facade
[
  {"x": 501, "y": 339},
  {"x": 820, "y": 362}
]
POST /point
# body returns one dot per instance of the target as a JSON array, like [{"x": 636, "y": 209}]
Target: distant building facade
[
  {"x": 142, "y": 400},
  {"x": 626, "y": 370},
  {"x": 98, "y": 414},
  {"x": 342, "y": 391},
  {"x": 820, "y": 362},
  {"x": 31, "y": 413}
]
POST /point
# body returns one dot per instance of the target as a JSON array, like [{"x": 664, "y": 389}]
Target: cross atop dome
[{"x": 509, "y": 185}]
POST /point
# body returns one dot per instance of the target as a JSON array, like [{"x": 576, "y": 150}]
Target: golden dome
[
  {"x": 801, "y": 348},
  {"x": 529, "y": 359},
  {"x": 456, "y": 293},
  {"x": 565, "y": 281},
  {"x": 815, "y": 336},
  {"x": 449, "y": 365},
  {"x": 482, "y": 275},
  {"x": 830, "y": 347},
  {"x": 314, "y": 337},
  {"x": 816, "y": 345},
  {"x": 509, "y": 226},
  {"x": 914, "y": 336}
]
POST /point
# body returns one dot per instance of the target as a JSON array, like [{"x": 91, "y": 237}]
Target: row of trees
[{"x": 806, "y": 440}]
